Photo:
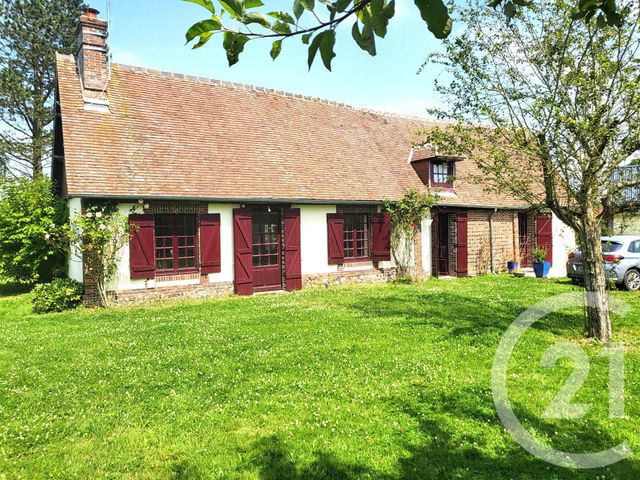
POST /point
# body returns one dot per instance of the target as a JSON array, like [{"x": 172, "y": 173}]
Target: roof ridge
[{"x": 273, "y": 91}]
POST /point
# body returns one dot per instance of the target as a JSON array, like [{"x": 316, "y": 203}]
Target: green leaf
[
  {"x": 324, "y": 41},
  {"x": 203, "y": 27},
  {"x": 256, "y": 17},
  {"x": 435, "y": 13},
  {"x": 204, "y": 38},
  {"x": 234, "y": 45},
  {"x": 253, "y": 3},
  {"x": 281, "y": 27},
  {"x": 235, "y": 8},
  {"x": 204, "y": 3},
  {"x": 341, "y": 5},
  {"x": 276, "y": 48},
  {"x": 305, "y": 38},
  {"x": 308, "y": 4},
  {"x": 282, "y": 16},
  {"x": 378, "y": 16},
  {"x": 298, "y": 9},
  {"x": 510, "y": 10},
  {"x": 365, "y": 40}
]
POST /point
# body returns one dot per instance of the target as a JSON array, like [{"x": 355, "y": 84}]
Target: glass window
[
  {"x": 176, "y": 243},
  {"x": 266, "y": 238},
  {"x": 608, "y": 247},
  {"x": 441, "y": 172},
  {"x": 356, "y": 236}
]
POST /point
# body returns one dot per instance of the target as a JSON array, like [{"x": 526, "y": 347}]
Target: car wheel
[
  {"x": 632, "y": 280},
  {"x": 576, "y": 280}
]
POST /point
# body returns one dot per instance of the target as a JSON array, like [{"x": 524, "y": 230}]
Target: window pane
[{"x": 175, "y": 232}]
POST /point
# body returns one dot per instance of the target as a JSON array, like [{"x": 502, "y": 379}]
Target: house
[
  {"x": 239, "y": 188},
  {"x": 627, "y": 223}
]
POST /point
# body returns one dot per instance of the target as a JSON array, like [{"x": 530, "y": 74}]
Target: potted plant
[
  {"x": 540, "y": 265},
  {"x": 513, "y": 266}
]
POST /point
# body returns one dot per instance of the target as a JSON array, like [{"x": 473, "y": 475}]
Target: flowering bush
[
  {"x": 57, "y": 296},
  {"x": 412, "y": 208},
  {"x": 97, "y": 238},
  {"x": 28, "y": 209}
]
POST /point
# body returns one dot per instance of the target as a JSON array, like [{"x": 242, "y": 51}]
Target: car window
[
  {"x": 634, "y": 247},
  {"x": 608, "y": 247}
]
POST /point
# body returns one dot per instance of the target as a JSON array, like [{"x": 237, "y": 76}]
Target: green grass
[{"x": 384, "y": 381}]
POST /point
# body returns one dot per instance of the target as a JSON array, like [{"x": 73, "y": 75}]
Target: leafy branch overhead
[
  {"x": 315, "y": 22},
  {"x": 371, "y": 18}
]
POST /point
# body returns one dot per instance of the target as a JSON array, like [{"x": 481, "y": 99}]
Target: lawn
[{"x": 382, "y": 381}]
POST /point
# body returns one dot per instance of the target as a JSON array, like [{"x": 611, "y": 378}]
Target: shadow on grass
[
  {"x": 443, "y": 450},
  {"x": 460, "y": 315},
  {"x": 455, "y": 453},
  {"x": 11, "y": 289},
  {"x": 274, "y": 461}
]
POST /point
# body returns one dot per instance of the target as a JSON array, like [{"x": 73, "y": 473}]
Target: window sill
[
  {"x": 178, "y": 274},
  {"x": 357, "y": 261}
]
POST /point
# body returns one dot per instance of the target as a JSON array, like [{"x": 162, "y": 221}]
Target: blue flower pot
[{"x": 542, "y": 269}]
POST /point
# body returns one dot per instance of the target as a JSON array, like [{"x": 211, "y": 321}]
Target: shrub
[
  {"x": 540, "y": 254},
  {"x": 57, "y": 296},
  {"x": 28, "y": 210}
]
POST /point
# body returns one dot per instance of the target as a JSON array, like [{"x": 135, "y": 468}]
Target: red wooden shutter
[
  {"x": 381, "y": 235},
  {"x": 292, "y": 259},
  {"x": 243, "y": 251},
  {"x": 335, "y": 240},
  {"x": 544, "y": 234},
  {"x": 435, "y": 244},
  {"x": 210, "y": 243},
  {"x": 461, "y": 247},
  {"x": 142, "y": 249}
]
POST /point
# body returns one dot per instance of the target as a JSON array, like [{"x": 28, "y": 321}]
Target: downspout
[{"x": 493, "y": 266}]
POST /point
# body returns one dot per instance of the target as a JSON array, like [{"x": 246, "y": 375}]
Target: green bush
[
  {"x": 29, "y": 210},
  {"x": 57, "y": 296}
]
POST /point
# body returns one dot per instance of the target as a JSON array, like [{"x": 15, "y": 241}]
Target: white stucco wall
[
  {"x": 313, "y": 239},
  {"x": 74, "y": 262},
  {"x": 426, "y": 245},
  {"x": 564, "y": 240},
  {"x": 226, "y": 242}
]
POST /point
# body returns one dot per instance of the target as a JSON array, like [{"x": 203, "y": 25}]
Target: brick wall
[
  {"x": 505, "y": 240},
  {"x": 93, "y": 56}
]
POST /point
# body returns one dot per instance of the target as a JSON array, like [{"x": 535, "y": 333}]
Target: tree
[
  {"x": 31, "y": 31},
  {"x": 555, "y": 104},
  {"x": 371, "y": 20},
  {"x": 28, "y": 211}
]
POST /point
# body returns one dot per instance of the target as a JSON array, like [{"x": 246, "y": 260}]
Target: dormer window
[
  {"x": 435, "y": 171},
  {"x": 442, "y": 173}
]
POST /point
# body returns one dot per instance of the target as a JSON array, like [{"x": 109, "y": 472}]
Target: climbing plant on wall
[{"x": 406, "y": 214}]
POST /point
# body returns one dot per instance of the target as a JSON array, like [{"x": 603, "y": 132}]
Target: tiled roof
[{"x": 173, "y": 136}]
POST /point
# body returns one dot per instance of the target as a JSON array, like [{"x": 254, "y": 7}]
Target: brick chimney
[{"x": 93, "y": 55}]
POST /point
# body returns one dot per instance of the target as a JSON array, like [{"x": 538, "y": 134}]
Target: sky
[{"x": 150, "y": 33}]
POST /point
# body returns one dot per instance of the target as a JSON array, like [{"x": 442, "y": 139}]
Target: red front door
[{"x": 267, "y": 273}]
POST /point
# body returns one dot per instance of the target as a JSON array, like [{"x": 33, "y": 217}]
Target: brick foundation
[
  {"x": 144, "y": 295},
  {"x": 372, "y": 275}
]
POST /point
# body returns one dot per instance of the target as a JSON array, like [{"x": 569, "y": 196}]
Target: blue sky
[{"x": 150, "y": 33}]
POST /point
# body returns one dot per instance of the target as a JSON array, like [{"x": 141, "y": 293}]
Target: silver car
[{"x": 621, "y": 255}]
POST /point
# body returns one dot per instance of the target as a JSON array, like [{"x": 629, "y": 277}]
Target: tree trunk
[
  {"x": 598, "y": 319},
  {"x": 37, "y": 151}
]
